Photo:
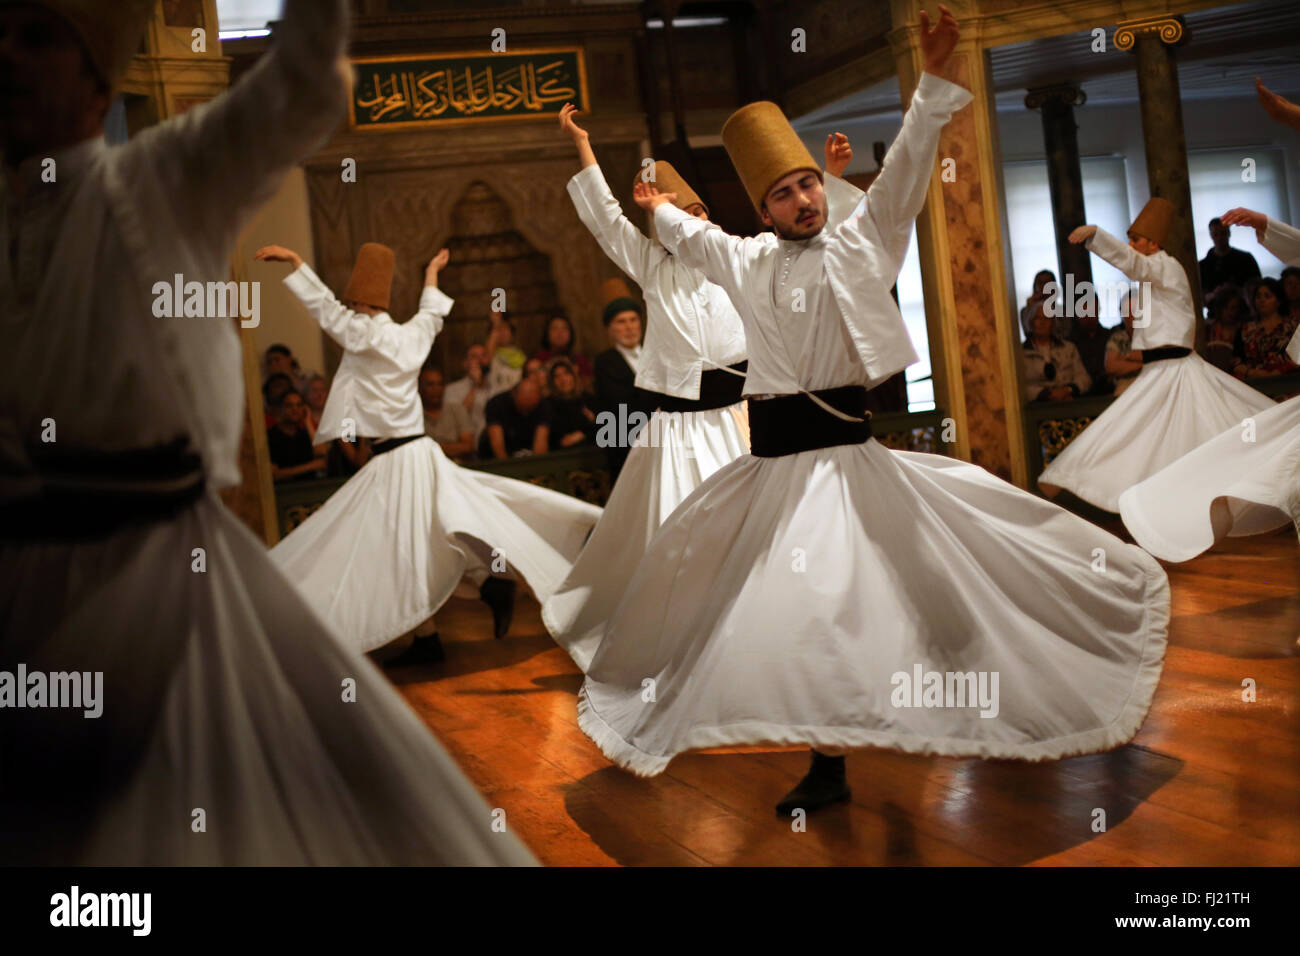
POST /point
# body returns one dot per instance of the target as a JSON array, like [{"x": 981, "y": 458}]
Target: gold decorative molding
[{"x": 1169, "y": 29}]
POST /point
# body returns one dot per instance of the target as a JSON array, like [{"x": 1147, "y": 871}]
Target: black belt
[
  {"x": 1163, "y": 354},
  {"x": 388, "y": 444},
  {"x": 718, "y": 389},
  {"x": 789, "y": 424},
  {"x": 93, "y": 494}
]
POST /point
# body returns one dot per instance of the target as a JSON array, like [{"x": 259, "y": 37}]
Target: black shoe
[
  {"x": 423, "y": 650},
  {"x": 824, "y": 784},
  {"x": 499, "y": 595}
]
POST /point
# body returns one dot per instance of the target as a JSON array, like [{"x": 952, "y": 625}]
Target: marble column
[
  {"x": 1153, "y": 43},
  {"x": 972, "y": 331},
  {"x": 1064, "y": 174}
]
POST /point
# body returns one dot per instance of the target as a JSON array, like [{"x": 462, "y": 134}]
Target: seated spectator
[
  {"x": 471, "y": 391},
  {"x": 274, "y": 389},
  {"x": 1120, "y": 365},
  {"x": 535, "y": 369},
  {"x": 573, "y": 420},
  {"x": 317, "y": 391},
  {"x": 292, "y": 455},
  {"x": 280, "y": 361},
  {"x": 1261, "y": 341},
  {"x": 1227, "y": 310},
  {"x": 559, "y": 341},
  {"x": 1291, "y": 283},
  {"x": 1053, "y": 370},
  {"x": 447, "y": 424},
  {"x": 1090, "y": 338},
  {"x": 505, "y": 361},
  {"x": 518, "y": 422},
  {"x": 1061, "y": 326}
]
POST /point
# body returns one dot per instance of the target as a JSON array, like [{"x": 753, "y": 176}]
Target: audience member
[
  {"x": 1061, "y": 326},
  {"x": 274, "y": 389},
  {"x": 1224, "y": 265},
  {"x": 1090, "y": 338},
  {"x": 615, "y": 372},
  {"x": 1291, "y": 284},
  {"x": 1053, "y": 370},
  {"x": 292, "y": 455},
  {"x": 1121, "y": 367},
  {"x": 317, "y": 392},
  {"x": 471, "y": 392},
  {"x": 446, "y": 423},
  {"x": 573, "y": 420},
  {"x": 559, "y": 340},
  {"x": 505, "y": 360},
  {"x": 1262, "y": 340},
  {"x": 1227, "y": 311},
  {"x": 518, "y": 422},
  {"x": 535, "y": 369}
]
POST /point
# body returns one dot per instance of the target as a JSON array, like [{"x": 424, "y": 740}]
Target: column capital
[
  {"x": 1068, "y": 94},
  {"x": 1171, "y": 31}
]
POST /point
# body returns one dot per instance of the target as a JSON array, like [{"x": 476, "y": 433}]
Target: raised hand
[
  {"x": 937, "y": 43},
  {"x": 278, "y": 254},
  {"x": 1082, "y": 234},
  {"x": 839, "y": 153},
  {"x": 1245, "y": 217},
  {"x": 567, "y": 112},
  {"x": 1279, "y": 108},
  {"x": 435, "y": 266},
  {"x": 649, "y": 198}
]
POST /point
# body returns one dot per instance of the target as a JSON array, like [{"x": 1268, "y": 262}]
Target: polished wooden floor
[{"x": 1209, "y": 780}]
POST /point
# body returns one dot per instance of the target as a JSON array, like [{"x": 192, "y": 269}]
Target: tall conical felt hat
[
  {"x": 372, "y": 276},
  {"x": 1154, "y": 221},
  {"x": 617, "y": 298},
  {"x": 668, "y": 180},
  {"x": 110, "y": 32},
  {"x": 763, "y": 147}
]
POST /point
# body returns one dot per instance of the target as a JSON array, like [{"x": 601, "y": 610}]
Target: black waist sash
[
  {"x": 93, "y": 494},
  {"x": 789, "y": 424},
  {"x": 1163, "y": 354},
  {"x": 718, "y": 389},
  {"x": 388, "y": 444}
]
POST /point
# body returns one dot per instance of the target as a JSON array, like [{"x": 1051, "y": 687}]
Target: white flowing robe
[{"x": 223, "y": 694}]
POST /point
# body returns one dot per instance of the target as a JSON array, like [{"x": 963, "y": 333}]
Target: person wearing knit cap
[
  {"x": 1178, "y": 400},
  {"x": 692, "y": 368},
  {"x": 615, "y": 370},
  {"x": 817, "y": 590},
  {"x": 1245, "y": 480},
  {"x": 218, "y": 685},
  {"x": 451, "y": 523}
]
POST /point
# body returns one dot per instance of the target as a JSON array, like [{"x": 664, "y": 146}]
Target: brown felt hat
[
  {"x": 764, "y": 147},
  {"x": 110, "y": 32},
  {"x": 1153, "y": 221},
  {"x": 668, "y": 180},
  {"x": 617, "y": 297},
  {"x": 372, "y": 276}
]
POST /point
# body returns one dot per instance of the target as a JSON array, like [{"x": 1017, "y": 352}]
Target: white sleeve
[
  {"x": 349, "y": 329},
  {"x": 1283, "y": 241},
  {"x": 703, "y": 246},
  {"x": 629, "y": 248}
]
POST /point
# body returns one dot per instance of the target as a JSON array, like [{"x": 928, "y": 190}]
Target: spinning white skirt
[
  {"x": 817, "y": 598},
  {"x": 672, "y": 456},
  {"x": 236, "y": 728},
  {"x": 1172, "y": 407},
  {"x": 390, "y": 546},
  {"x": 1245, "y": 481}
]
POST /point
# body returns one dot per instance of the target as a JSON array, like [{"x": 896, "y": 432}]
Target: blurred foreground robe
[
  {"x": 235, "y": 728},
  {"x": 1243, "y": 481}
]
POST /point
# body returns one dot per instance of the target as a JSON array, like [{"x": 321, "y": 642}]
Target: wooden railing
[{"x": 583, "y": 472}]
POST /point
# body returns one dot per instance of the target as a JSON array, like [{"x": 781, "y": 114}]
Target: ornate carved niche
[{"x": 488, "y": 253}]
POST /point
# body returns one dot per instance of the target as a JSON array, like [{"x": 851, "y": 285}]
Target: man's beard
[{"x": 797, "y": 232}]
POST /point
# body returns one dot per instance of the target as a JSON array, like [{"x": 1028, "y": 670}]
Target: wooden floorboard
[{"x": 1210, "y": 779}]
